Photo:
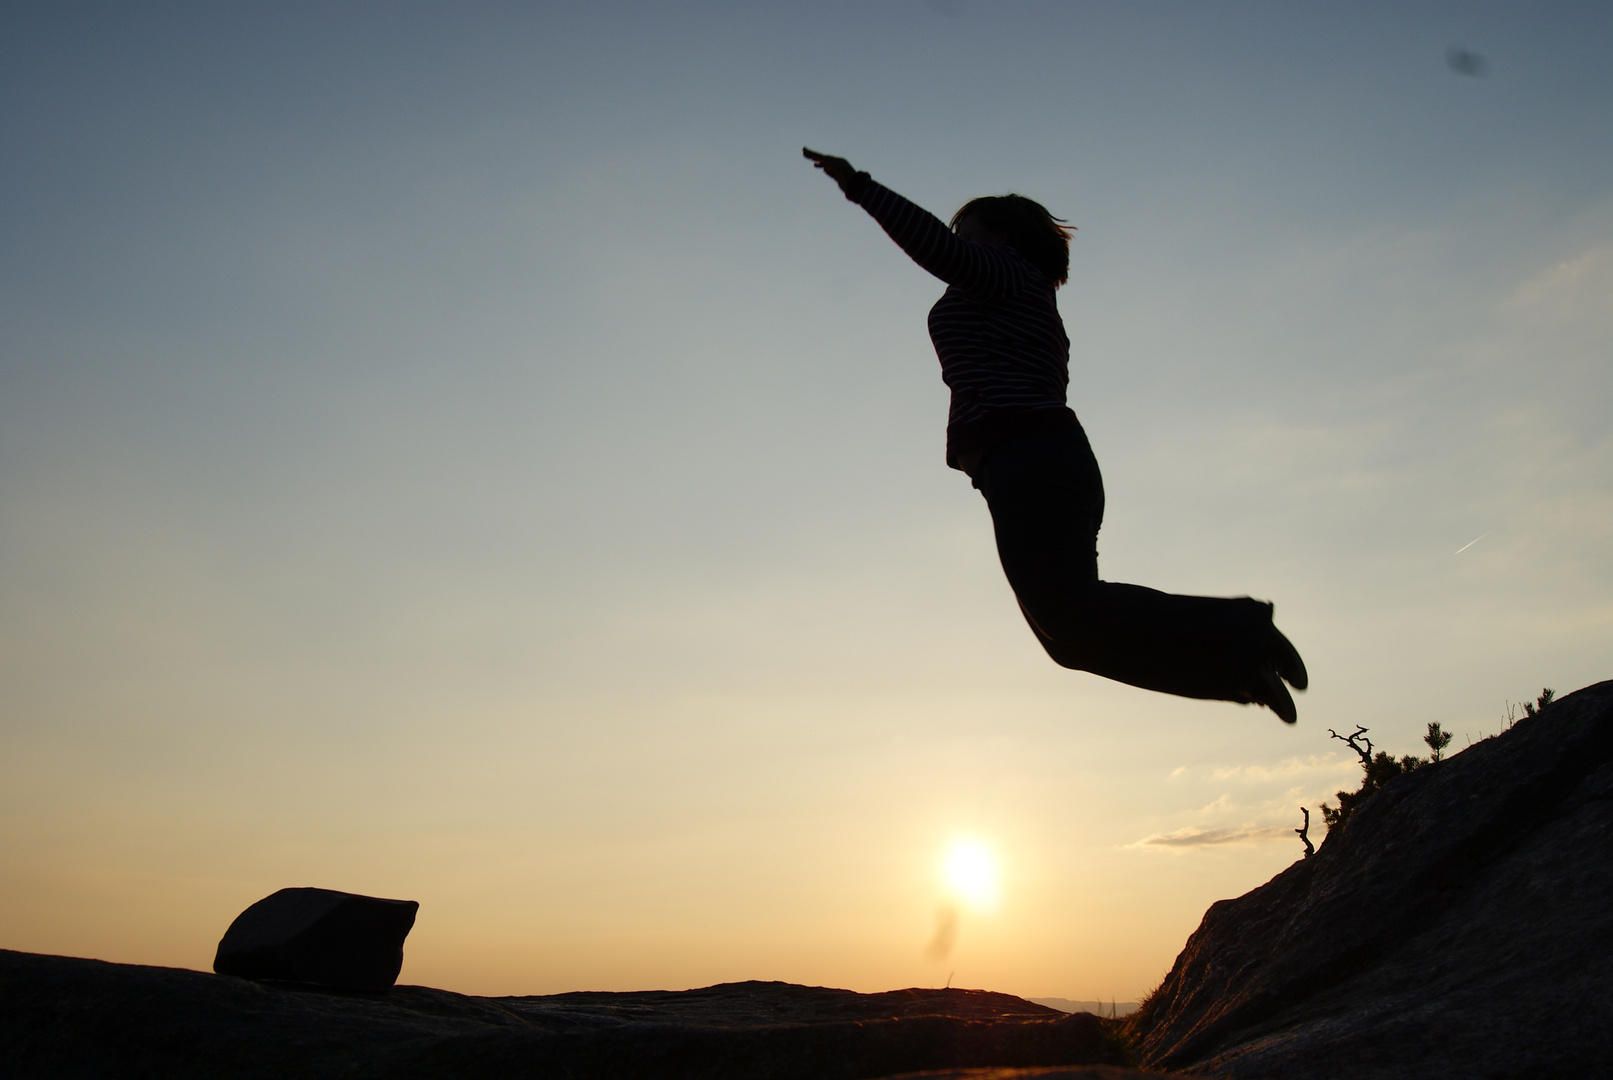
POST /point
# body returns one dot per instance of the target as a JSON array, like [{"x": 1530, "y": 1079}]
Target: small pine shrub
[
  {"x": 1437, "y": 739},
  {"x": 1540, "y": 702}
]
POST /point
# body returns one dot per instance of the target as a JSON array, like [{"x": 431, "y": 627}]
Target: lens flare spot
[{"x": 970, "y": 873}]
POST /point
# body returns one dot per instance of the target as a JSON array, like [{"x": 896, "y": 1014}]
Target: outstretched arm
[{"x": 979, "y": 268}]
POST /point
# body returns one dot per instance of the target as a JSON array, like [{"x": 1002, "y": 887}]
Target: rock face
[
  {"x": 1460, "y": 924},
  {"x": 66, "y": 1018},
  {"x": 319, "y": 936}
]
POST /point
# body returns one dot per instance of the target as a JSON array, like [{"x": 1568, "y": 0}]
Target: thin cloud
[
  {"x": 1574, "y": 290},
  {"x": 1192, "y": 837},
  {"x": 1290, "y": 767}
]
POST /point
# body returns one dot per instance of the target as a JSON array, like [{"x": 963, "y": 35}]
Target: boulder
[
  {"x": 319, "y": 936},
  {"x": 1459, "y": 924}
]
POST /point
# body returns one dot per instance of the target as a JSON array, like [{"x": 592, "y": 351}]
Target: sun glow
[{"x": 970, "y": 873}]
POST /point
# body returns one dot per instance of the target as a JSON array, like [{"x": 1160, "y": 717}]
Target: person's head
[{"x": 1024, "y": 225}]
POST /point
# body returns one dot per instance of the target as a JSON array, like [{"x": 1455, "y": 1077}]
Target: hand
[{"x": 838, "y": 169}]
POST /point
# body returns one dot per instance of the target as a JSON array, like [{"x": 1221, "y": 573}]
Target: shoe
[
  {"x": 1285, "y": 658},
  {"x": 1270, "y": 692}
]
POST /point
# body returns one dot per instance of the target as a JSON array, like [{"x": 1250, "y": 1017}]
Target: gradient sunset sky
[{"x": 461, "y": 452}]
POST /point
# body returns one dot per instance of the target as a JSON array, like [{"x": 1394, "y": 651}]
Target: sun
[{"x": 970, "y": 873}]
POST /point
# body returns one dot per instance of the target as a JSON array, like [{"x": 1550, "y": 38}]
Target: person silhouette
[{"x": 1005, "y": 357}]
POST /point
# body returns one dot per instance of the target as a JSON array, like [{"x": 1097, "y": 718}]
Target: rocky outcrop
[
  {"x": 1460, "y": 924},
  {"x": 68, "y": 1018}
]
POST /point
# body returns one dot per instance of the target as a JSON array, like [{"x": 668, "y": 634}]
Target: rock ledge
[{"x": 1461, "y": 924}]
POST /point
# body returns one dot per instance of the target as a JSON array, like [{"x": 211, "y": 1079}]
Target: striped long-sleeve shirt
[{"x": 996, "y": 329}]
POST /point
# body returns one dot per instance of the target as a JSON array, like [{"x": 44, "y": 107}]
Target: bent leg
[
  {"x": 1046, "y": 498},
  {"x": 1190, "y": 646}
]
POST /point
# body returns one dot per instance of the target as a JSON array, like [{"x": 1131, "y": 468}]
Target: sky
[{"x": 462, "y": 453}]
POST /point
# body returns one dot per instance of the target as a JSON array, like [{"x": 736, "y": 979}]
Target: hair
[{"x": 1027, "y": 226}]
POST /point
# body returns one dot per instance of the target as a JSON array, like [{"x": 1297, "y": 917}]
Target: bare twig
[
  {"x": 1304, "y": 831},
  {"x": 1359, "y": 733}
]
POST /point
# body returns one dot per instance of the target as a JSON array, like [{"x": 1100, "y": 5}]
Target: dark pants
[{"x": 1046, "y": 500}]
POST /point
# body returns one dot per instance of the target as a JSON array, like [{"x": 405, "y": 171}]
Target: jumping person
[{"x": 1006, "y": 358}]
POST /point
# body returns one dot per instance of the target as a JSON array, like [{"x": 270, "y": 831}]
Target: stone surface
[
  {"x": 319, "y": 936},
  {"x": 68, "y": 1018},
  {"x": 1461, "y": 924}
]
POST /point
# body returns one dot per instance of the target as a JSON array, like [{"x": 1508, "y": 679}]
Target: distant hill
[{"x": 1098, "y": 1008}]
